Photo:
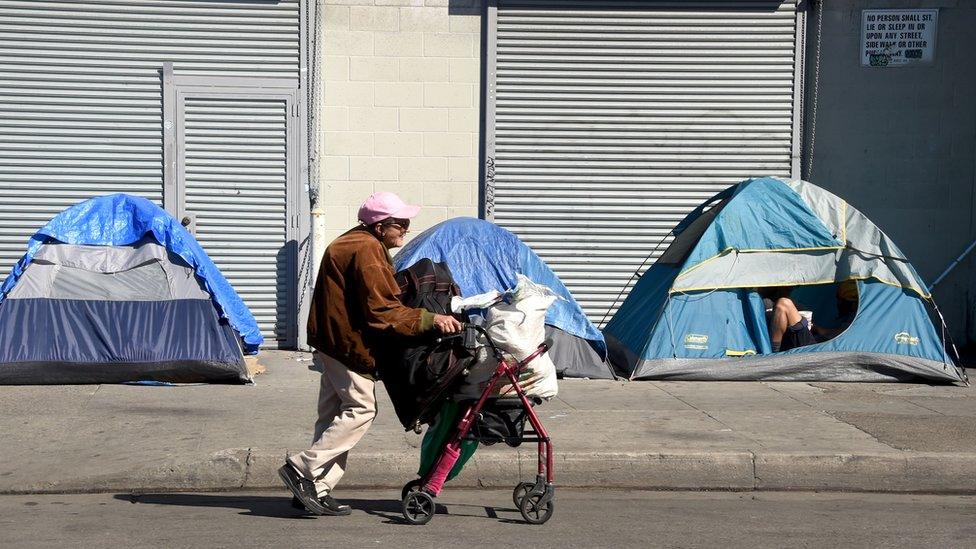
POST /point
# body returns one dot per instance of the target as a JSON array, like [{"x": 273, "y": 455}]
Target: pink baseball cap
[{"x": 381, "y": 205}]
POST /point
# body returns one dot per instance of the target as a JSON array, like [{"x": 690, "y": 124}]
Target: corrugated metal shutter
[
  {"x": 81, "y": 92},
  {"x": 612, "y": 120},
  {"x": 235, "y": 153}
]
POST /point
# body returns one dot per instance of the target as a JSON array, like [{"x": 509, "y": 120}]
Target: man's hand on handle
[{"x": 447, "y": 324}]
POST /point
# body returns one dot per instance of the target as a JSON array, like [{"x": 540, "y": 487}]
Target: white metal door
[{"x": 236, "y": 156}]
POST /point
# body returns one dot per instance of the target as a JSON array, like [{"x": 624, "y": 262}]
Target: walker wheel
[
  {"x": 418, "y": 507},
  {"x": 521, "y": 489},
  {"x": 411, "y": 486},
  {"x": 533, "y": 512}
]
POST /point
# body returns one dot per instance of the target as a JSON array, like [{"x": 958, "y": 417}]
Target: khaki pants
[{"x": 347, "y": 406}]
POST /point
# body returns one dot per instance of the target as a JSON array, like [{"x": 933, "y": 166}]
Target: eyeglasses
[{"x": 402, "y": 225}]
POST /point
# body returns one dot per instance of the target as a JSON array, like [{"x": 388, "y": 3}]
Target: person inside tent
[
  {"x": 354, "y": 312},
  {"x": 787, "y": 328},
  {"x": 846, "y": 311}
]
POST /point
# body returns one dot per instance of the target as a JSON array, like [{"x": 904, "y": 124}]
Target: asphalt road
[{"x": 476, "y": 518}]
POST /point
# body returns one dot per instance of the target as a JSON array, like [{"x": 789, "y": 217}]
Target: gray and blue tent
[
  {"x": 483, "y": 256},
  {"x": 696, "y": 313},
  {"x": 115, "y": 290}
]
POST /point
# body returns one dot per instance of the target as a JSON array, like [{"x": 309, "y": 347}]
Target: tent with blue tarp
[
  {"x": 483, "y": 256},
  {"x": 697, "y": 312},
  {"x": 114, "y": 289}
]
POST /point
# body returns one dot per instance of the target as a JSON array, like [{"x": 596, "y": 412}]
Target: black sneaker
[
  {"x": 303, "y": 489},
  {"x": 334, "y": 506},
  {"x": 327, "y": 502}
]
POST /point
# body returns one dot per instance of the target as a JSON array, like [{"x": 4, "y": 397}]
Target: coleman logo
[
  {"x": 905, "y": 338},
  {"x": 696, "y": 341}
]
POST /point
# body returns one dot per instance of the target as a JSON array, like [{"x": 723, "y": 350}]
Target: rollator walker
[{"x": 533, "y": 499}]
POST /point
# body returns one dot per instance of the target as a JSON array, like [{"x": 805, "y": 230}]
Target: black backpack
[{"x": 425, "y": 370}]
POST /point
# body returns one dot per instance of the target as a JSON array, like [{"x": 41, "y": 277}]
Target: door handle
[{"x": 189, "y": 222}]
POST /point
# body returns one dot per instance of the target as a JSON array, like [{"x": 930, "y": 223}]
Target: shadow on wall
[
  {"x": 465, "y": 7},
  {"x": 967, "y": 357},
  {"x": 285, "y": 299},
  {"x": 971, "y": 321}
]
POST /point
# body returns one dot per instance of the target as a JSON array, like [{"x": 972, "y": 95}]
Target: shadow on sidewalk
[
  {"x": 391, "y": 510},
  {"x": 259, "y": 506},
  {"x": 280, "y": 506}
]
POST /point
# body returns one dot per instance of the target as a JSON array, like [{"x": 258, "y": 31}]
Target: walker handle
[
  {"x": 464, "y": 328},
  {"x": 481, "y": 330},
  {"x": 442, "y": 339}
]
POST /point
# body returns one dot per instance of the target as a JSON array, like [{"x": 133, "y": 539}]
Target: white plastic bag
[
  {"x": 517, "y": 328},
  {"x": 480, "y": 301}
]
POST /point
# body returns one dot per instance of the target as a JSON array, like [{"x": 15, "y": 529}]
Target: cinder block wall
[
  {"x": 900, "y": 143},
  {"x": 400, "y": 107}
]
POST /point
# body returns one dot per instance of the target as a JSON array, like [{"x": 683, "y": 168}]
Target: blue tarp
[
  {"x": 484, "y": 257},
  {"x": 120, "y": 219}
]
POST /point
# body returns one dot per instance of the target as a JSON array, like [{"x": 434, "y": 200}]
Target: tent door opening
[{"x": 831, "y": 308}]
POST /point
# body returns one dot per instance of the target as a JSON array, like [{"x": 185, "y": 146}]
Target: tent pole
[
  {"x": 632, "y": 277},
  {"x": 952, "y": 265},
  {"x": 947, "y": 338}
]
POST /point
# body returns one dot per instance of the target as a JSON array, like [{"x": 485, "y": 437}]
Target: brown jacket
[{"x": 355, "y": 307}]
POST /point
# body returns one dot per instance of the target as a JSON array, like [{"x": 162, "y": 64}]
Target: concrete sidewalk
[{"x": 664, "y": 435}]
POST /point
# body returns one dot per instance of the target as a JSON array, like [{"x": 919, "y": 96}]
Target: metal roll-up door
[
  {"x": 610, "y": 121},
  {"x": 81, "y": 92},
  {"x": 235, "y": 177}
]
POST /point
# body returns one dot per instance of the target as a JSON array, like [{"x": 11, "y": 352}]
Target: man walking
[{"x": 354, "y": 312}]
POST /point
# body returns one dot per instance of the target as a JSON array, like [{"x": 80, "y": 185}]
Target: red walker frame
[{"x": 536, "y": 495}]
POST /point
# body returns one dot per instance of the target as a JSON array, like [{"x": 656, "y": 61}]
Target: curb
[{"x": 244, "y": 469}]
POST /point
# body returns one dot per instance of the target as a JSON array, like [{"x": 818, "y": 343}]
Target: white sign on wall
[{"x": 898, "y": 38}]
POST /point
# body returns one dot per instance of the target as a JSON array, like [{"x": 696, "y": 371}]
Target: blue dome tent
[
  {"x": 697, "y": 314},
  {"x": 114, "y": 289},
  {"x": 483, "y": 257}
]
